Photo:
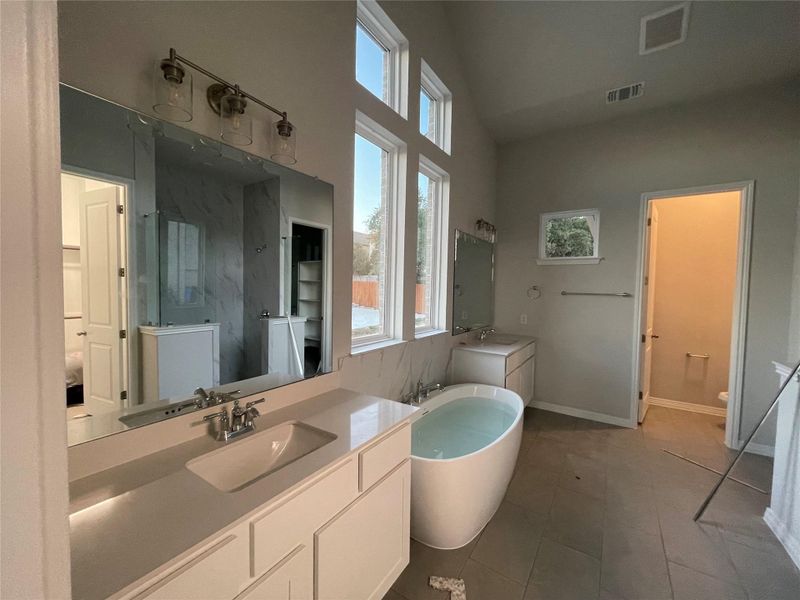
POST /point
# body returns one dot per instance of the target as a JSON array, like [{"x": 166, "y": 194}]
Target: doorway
[
  {"x": 95, "y": 306},
  {"x": 692, "y": 315}
]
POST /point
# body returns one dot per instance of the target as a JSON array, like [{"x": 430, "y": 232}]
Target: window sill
[
  {"x": 569, "y": 261},
  {"x": 426, "y": 333},
  {"x": 379, "y": 345}
]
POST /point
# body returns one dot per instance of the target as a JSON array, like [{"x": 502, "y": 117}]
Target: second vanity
[
  {"x": 331, "y": 524},
  {"x": 503, "y": 360}
]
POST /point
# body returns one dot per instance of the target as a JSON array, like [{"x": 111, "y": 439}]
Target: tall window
[
  {"x": 376, "y": 202},
  {"x": 381, "y": 56},
  {"x": 435, "y": 108},
  {"x": 431, "y": 236},
  {"x": 371, "y": 62}
]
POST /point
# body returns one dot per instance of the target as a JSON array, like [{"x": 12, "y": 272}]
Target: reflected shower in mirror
[
  {"x": 187, "y": 264},
  {"x": 473, "y": 283}
]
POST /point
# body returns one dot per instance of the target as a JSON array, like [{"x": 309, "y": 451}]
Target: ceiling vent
[
  {"x": 664, "y": 28},
  {"x": 627, "y": 92}
]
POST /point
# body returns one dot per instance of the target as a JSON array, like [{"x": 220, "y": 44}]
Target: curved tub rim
[{"x": 500, "y": 438}]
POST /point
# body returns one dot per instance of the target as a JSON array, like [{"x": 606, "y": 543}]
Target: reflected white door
[
  {"x": 650, "y": 287},
  {"x": 100, "y": 282}
]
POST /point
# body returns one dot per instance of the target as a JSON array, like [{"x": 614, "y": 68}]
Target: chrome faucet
[
  {"x": 485, "y": 333},
  {"x": 422, "y": 392},
  {"x": 241, "y": 420},
  {"x": 205, "y": 399}
]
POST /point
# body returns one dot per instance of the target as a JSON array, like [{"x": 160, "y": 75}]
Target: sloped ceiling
[{"x": 535, "y": 66}]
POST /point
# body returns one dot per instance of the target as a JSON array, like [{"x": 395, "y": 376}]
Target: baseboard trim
[
  {"x": 787, "y": 539},
  {"x": 762, "y": 449},
  {"x": 583, "y": 414},
  {"x": 717, "y": 411}
]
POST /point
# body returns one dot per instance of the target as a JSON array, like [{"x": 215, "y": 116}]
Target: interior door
[
  {"x": 647, "y": 319},
  {"x": 101, "y": 304}
]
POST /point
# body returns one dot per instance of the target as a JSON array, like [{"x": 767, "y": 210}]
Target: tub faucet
[{"x": 422, "y": 392}]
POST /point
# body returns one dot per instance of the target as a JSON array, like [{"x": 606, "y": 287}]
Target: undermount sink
[
  {"x": 245, "y": 461},
  {"x": 498, "y": 341}
]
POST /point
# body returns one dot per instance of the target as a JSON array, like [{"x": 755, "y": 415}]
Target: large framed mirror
[
  {"x": 473, "y": 283},
  {"x": 190, "y": 268}
]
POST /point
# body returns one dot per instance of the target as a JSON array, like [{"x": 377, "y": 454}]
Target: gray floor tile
[
  {"x": 561, "y": 573},
  {"x": 584, "y": 475},
  {"x": 547, "y": 454},
  {"x": 576, "y": 520},
  {"x": 533, "y": 488},
  {"x": 764, "y": 575},
  {"x": 698, "y": 546},
  {"x": 392, "y": 595},
  {"x": 509, "y": 542},
  {"x": 633, "y": 565},
  {"x": 482, "y": 583},
  {"x": 425, "y": 561},
  {"x": 691, "y": 585}
]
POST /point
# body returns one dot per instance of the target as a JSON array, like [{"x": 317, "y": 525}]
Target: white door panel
[
  {"x": 102, "y": 346},
  {"x": 650, "y": 287}
]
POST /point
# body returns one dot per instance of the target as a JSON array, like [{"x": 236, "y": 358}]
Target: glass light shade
[
  {"x": 283, "y": 148},
  {"x": 235, "y": 125},
  {"x": 173, "y": 98}
]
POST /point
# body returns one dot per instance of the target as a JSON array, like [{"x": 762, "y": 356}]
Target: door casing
[{"x": 740, "y": 301}]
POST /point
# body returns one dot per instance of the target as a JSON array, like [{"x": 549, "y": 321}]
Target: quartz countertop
[
  {"x": 503, "y": 344},
  {"x": 129, "y": 520}
]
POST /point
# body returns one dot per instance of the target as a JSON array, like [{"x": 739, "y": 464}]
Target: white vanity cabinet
[
  {"x": 342, "y": 535},
  {"x": 504, "y": 361}
]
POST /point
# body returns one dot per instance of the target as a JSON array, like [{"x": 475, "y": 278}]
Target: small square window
[
  {"x": 381, "y": 56},
  {"x": 435, "y": 108},
  {"x": 569, "y": 237}
]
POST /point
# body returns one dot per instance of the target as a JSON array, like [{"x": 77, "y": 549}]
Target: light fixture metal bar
[{"x": 173, "y": 54}]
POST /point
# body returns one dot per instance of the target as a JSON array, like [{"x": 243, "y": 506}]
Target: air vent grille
[
  {"x": 626, "y": 92},
  {"x": 664, "y": 28}
]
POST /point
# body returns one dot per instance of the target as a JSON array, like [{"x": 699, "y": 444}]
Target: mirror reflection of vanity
[{"x": 187, "y": 264}]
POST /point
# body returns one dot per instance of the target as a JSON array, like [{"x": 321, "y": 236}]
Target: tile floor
[{"x": 596, "y": 512}]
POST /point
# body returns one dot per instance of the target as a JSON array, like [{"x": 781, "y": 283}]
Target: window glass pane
[
  {"x": 570, "y": 236},
  {"x": 370, "y": 62},
  {"x": 426, "y": 197},
  {"x": 369, "y": 240},
  {"x": 427, "y": 115}
]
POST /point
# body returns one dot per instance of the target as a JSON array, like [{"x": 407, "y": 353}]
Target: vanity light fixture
[{"x": 173, "y": 93}]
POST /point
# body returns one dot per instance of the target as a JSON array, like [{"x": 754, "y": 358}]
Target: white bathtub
[{"x": 462, "y": 460}]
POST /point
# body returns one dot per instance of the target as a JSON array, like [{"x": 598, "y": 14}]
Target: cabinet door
[
  {"x": 520, "y": 380},
  {"x": 217, "y": 573},
  {"x": 364, "y": 549},
  {"x": 290, "y": 579}
]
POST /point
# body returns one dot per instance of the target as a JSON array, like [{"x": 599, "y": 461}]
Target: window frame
[
  {"x": 395, "y": 200},
  {"x": 437, "y": 91},
  {"x": 440, "y": 213},
  {"x": 569, "y": 260},
  {"x": 376, "y": 23}
]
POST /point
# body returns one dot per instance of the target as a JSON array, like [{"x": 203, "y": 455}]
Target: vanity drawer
[
  {"x": 216, "y": 573},
  {"x": 519, "y": 357},
  {"x": 383, "y": 456},
  {"x": 277, "y": 532}
]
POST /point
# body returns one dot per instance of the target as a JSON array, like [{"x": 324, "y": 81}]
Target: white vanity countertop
[
  {"x": 503, "y": 344},
  {"x": 129, "y": 520}
]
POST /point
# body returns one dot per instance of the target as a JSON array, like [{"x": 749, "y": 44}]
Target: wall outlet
[{"x": 523, "y": 319}]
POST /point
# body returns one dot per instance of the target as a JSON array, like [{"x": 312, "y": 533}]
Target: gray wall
[
  {"x": 201, "y": 198},
  {"x": 261, "y": 269},
  {"x": 585, "y": 352}
]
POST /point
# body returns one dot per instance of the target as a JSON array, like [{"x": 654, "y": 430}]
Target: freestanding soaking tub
[{"x": 465, "y": 442}]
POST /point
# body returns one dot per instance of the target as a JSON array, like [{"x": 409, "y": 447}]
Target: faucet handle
[{"x": 254, "y": 402}]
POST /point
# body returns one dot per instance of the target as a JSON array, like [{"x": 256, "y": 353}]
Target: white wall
[
  {"x": 34, "y": 541},
  {"x": 586, "y": 345},
  {"x": 305, "y": 65}
]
